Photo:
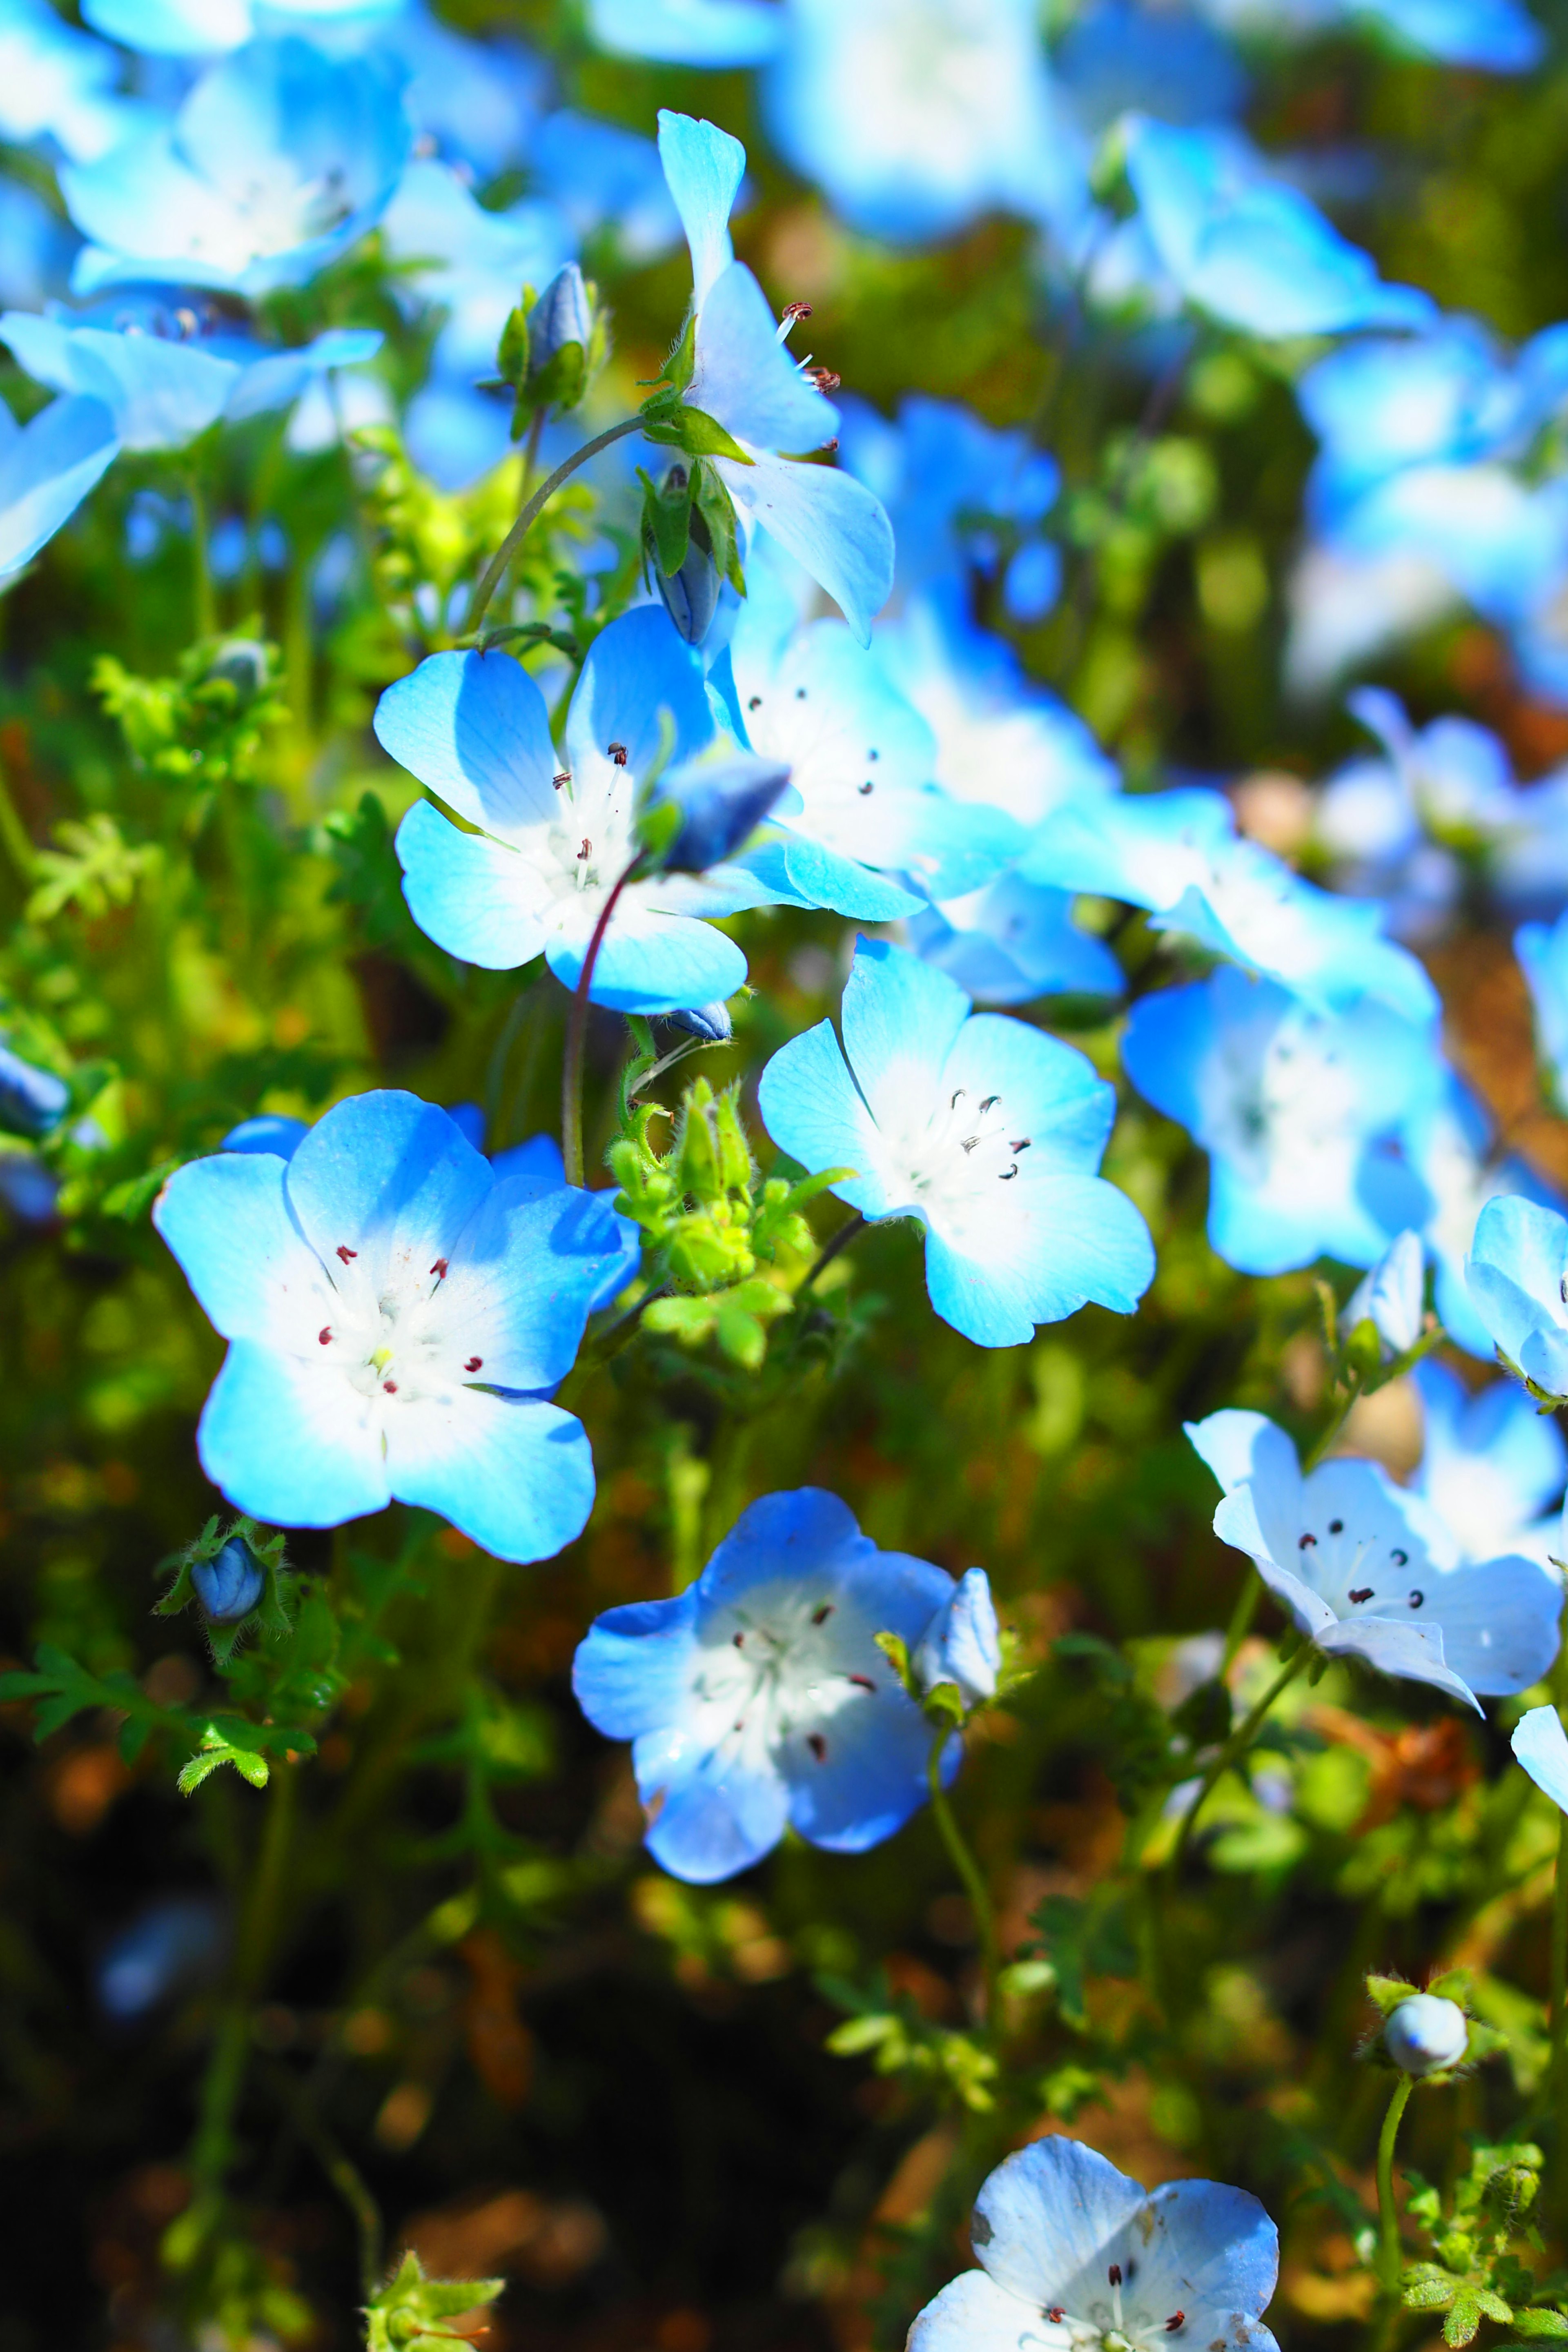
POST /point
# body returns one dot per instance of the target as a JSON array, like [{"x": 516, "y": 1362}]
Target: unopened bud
[
  {"x": 1426, "y": 2033},
  {"x": 32, "y": 1101},
  {"x": 229, "y": 1586},
  {"x": 1391, "y": 1298},
  {"x": 721, "y": 802},
  {"x": 961, "y": 1644},
  {"x": 711, "y": 1022},
  {"x": 561, "y": 315}
]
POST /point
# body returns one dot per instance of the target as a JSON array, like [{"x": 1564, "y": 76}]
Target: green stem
[
  {"x": 491, "y": 579},
  {"x": 836, "y": 1241},
  {"x": 19, "y": 842},
  {"x": 1331, "y": 1429},
  {"x": 1234, "y": 1747},
  {"x": 1558, "y": 2019},
  {"x": 344, "y": 2176},
  {"x": 576, "y": 1035},
  {"x": 1388, "y": 2251},
  {"x": 969, "y": 1871},
  {"x": 206, "y": 604},
  {"x": 1241, "y": 1618},
  {"x": 212, "y": 2148}
]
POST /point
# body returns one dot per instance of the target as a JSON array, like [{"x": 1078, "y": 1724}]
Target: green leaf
[
  {"x": 512, "y": 352},
  {"x": 1541, "y": 2323},
  {"x": 1464, "y": 2318},
  {"x": 405, "y": 2315},
  {"x": 1387, "y": 1992}
]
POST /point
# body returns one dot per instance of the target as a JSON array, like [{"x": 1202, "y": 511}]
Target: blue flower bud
[
  {"x": 691, "y": 594},
  {"x": 1425, "y": 2034},
  {"x": 32, "y": 1102},
  {"x": 172, "y": 1944},
  {"x": 1392, "y": 1297},
  {"x": 722, "y": 803},
  {"x": 711, "y": 1022},
  {"x": 961, "y": 1644},
  {"x": 229, "y": 1586},
  {"x": 561, "y": 315}
]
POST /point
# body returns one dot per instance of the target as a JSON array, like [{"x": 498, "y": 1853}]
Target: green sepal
[
  {"x": 667, "y": 518},
  {"x": 560, "y": 383},
  {"x": 896, "y": 1650},
  {"x": 716, "y": 509},
  {"x": 512, "y": 352},
  {"x": 405, "y": 2316},
  {"x": 1386, "y": 1993},
  {"x": 693, "y": 430},
  {"x": 1541, "y": 2323},
  {"x": 536, "y": 632}
]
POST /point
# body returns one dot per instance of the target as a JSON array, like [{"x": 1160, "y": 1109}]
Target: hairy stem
[
  {"x": 1234, "y": 1747},
  {"x": 1388, "y": 2251},
  {"x": 969, "y": 1871},
  {"x": 577, "y": 1032},
  {"x": 840, "y": 1241},
  {"x": 491, "y": 579}
]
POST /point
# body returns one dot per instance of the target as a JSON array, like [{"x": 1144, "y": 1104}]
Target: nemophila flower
[
  {"x": 1427, "y": 2034},
  {"x": 35, "y": 247},
  {"x": 278, "y": 159},
  {"x": 32, "y": 1101},
  {"x": 606, "y": 181},
  {"x": 1366, "y": 1569},
  {"x": 1177, "y": 853},
  {"x": 1542, "y": 1747},
  {"x": 556, "y": 838},
  {"x": 758, "y": 1698},
  {"x": 168, "y": 365},
  {"x": 1392, "y": 1297},
  {"x": 57, "y": 83},
  {"x": 174, "y": 1943},
  {"x": 987, "y": 1131},
  {"x": 916, "y": 124},
  {"x": 744, "y": 380},
  {"x": 1075, "y": 2257},
  {"x": 1542, "y": 953},
  {"x": 1300, "y": 1112},
  {"x": 1491, "y": 1465},
  {"x": 962, "y": 1644},
  {"x": 1448, "y": 1139},
  {"x": 47, "y": 468},
  {"x": 229, "y": 1585},
  {"x": 958, "y": 493},
  {"x": 1496, "y": 539},
  {"x": 197, "y": 28},
  {"x": 1518, "y": 1277},
  {"x": 394, "y": 1313},
  {"x": 1495, "y": 34},
  {"x": 1118, "y": 56},
  {"x": 1012, "y": 941},
  {"x": 689, "y": 32},
  {"x": 1248, "y": 250}
]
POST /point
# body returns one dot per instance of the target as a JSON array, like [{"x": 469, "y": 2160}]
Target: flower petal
[
  {"x": 473, "y": 727},
  {"x": 477, "y": 899},
  {"x": 288, "y": 1440},
  {"x": 513, "y": 1474},
  {"x": 256, "y": 1277}
]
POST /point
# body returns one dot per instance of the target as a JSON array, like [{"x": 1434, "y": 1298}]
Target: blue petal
[
  {"x": 524, "y": 1275},
  {"x": 687, "y": 32},
  {"x": 1498, "y": 1622},
  {"x": 538, "y": 1164},
  {"x": 709, "y": 1817},
  {"x": 1241, "y": 1446},
  {"x": 388, "y": 1178},
  {"x": 1516, "y": 1269},
  {"x": 799, "y": 872},
  {"x": 1047, "y": 2215},
  {"x": 1542, "y": 1747},
  {"x": 651, "y": 962},
  {"x": 632, "y": 1671},
  {"x": 1082, "y": 1240},
  {"x": 291, "y": 1441},
  {"x": 268, "y": 1131},
  {"x": 746, "y": 378},
  {"x": 46, "y": 471},
  {"x": 703, "y": 166},
  {"x": 255, "y": 1276},
  {"x": 828, "y": 522},
  {"x": 474, "y": 897},
  {"x": 513, "y": 1474},
  {"x": 813, "y": 1112},
  {"x": 900, "y": 1020},
  {"x": 638, "y": 667},
  {"x": 473, "y": 727}
]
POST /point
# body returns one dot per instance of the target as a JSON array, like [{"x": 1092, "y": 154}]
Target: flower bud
[
  {"x": 242, "y": 663},
  {"x": 229, "y": 1586},
  {"x": 1392, "y": 1296},
  {"x": 711, "y": 1022},
  {"x": 721, "y": 802},
  {"x": 561, "y": 315},
  {"x": 32, "y": 1101},
  {"x": 691, "y": 594},
  {"x": 961, "y": 1644},
  {"x": 1426, "y": 2033}
]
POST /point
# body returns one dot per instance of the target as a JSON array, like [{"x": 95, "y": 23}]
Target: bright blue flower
[
  {"x": 1499, "y": 543},
  {"x": 1491, "y": 1466},
  {"x": 1543, "y": 955},
  {"x": 1447, "y": 1140},
  {"x": 199, "y": 28},
  {"x": 1057, "y": 2229},
  {"x": 1382, "y": 404},
  {"x": 32, "y": 1101},
  {"x": 1300, "y": 1112},
  {"x": 1177, "y": 853},
  {"x": 1542, "y": 1747},
  {"x": 172, "y": 1944},
  {"x": 57, "y": 83},
  {"x": 758, "y": 1699},
  {"x": 745, "y": 378},
  {"x": 985, "y": 1130},
  {"x": 278, "y": 160},
  {"x": 1392, "y": 1297},
  {"x": 229, "y": 1585},
  {"x": 1366, "y": 1569},
  {"x": 394, "y": 1312},
  {"x": 1012, "y": 941},
  {"x": 915, "y": 133},
  {"x": 477, "y": 102},
  {"x": 1518, "y": 1277},
  {"x": 1115, "y": 57},
  {"x": 534, "y": 880},
  {"x": 1495, "y": 34},
  {"x": 47, "y": 468},
  {"x": 35, "y": 247},
  {"x": 1250, "y": 251},
  {"x": 267, "y": 1131},
  {"x": 607, "y": 179},
  {"x": 957, "y": 492},
  {"x": 169, "y": 367},
  {"x": 962, "y": 1644},
  {"x": 689, "y": 32}
]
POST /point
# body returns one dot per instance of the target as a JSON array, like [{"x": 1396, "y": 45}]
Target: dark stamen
[
  {"x": 1363, "y": 1594},
  {"x": 820, "y": 1616},
  {"x": 1114, "y": 2274},
  {"x": 562, "y": 777},
  {"x": 618, "y": 754},
  {"x": 754, "y": 702},
  {"x": 345, "y": 1253},
  {"x": 1416, "y": 1598},
  {"x": 817, "y": 1745},
  {"x": 989, "y": 1102},
  {"x": 324, "y": 1334},
  {"x": 473, "y": 1364},
  {"x": 391, "y": 1387},
  {"x": 1056, "y": 2314},
  {"x": 1174, "y": 2322},
  {"x": 439, "y": 1269},
  {"x": 1336, "y": 1526},
  {"x": 866, "y": 789},
  {"x": 793, "y": 311},
  {"x": 1008, "y": 1173},
  {"x": 738, "y": 1639},
  {"x": 861, "y": 1682},
  {"x": 1400, "y": 1559},
  {"x": 1307, "y": 1543},
  {"x": 586, "y": 850}
]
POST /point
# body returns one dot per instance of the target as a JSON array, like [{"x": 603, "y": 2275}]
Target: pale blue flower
[
  {"x": 174, "y": 1943},
  {"x": 962, "y": 1644},
  {"x": 1447, "y": 1140},
  {"x": 1542, "y": 1747},
  {"x": 394, "y": 1313},
  {"x": 1248, "y": 250},
  {"x": 1392, "y": 1297},
  {"x": 1385, "y": 403},
  {"x": 59, "y": 84},
  {"x": 958, "y": 493},
  {"x": 985, "y": 1130},
  {"x": 533, "y": 879},
  {"x": 1518, "y": 1277},
  {"x": 1012, "y": 941},
  {"x": 47, "y": 468},
  {"x": 200, "y": 29},
  {"x": 757, "y": 1699},
  {"x": 1425, "y": 2034},
  {"x": 1117, "y": 55},
  {"x": 1544, "y": 954},
  {"x": 35, "y": 247},
  {"x": 1500, "y": 542},
  {"x": 689, "y": 32},
  {"x": 1077, "y": 2258},
  {"x": 1497, "y": 35},
  {"x": 607, "y": 179},
  {"x": 1492, "y": 1465},
  {"x": 1365, "y": 1570},
  {"x": 277, "y": 162},
  {"x": 744, "y": 378},
  {"x": 1300, "y": 1112}
]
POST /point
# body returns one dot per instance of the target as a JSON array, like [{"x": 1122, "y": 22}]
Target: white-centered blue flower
[
  {"x": 394, "y": 1313},
  {"x": 555, "y": 838},
  {"x": 988, "y": 1132},
  {"x": 1448, "y": 1141},
  {"x": 1075, "y": 2257},
  {"x": 47, "y": 468},
  {"x": 1392, "y": 1297},
  {"x": 1177, "y": 853},
  {"x": 962, "y": 1644},
  {"x": 758, "y": 1698},
  {"x": 1542, "y": 1747},
  {"x": 58, "y": 83},
  {"x": 744, "y": 378},
  {"x": 1300, "y": 1113},
  {"x": 1491, "y": 1465},
  {"x": 1365, "y": 1570},
  {"x": 1517, "y": 1277}
]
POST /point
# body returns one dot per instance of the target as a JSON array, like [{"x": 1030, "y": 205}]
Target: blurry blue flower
[
  {"x": 534, "y": 880},
  {"x": 1492, "y": 1465},
  {"x": 1425, "y": 2034},
  {"x": 744, "y": 378},
  {"x": 1250, "y": 250},
  {"x": 474, "y": 102},
  {"x": 957, "y": 492},
  {"x": 914, "y": 128},
  {"x": 229, "y": 1585},
  {"x": 1447, "y": 1140},
  {"x": 1392, "y": 1297},
  {"x": 276, "y": 162},
  {"x": 57, "y": 83},
  {"x": 47, "y": 468},
  {"x": 32, "y": 1101},
  {"x": 758, "y": 1699},
  {"x": 689, "y": 32},
  {"x": 1499, "y": 543},
  {"x": 168, "y": 367},
  {"x": 603, "y": 177},
  {"x": 267, "y": 1131},
  {"x": 1117, "y": 55},
  {"x": 1057, "y": 2229},
  {"x": 1367, "y": 1570},
  {"x": 35, "y": 247},
  {"x": 1386, "y": 402},
  {"x": 170, "y": 1945},
  {"x": 197, "y": 28},
  {"x": 1177, "y": 853},
  {"x": 1300, "y": 1112},
  {"x": 1543, "y": 955},
  {"x": 394, "y": 1311},
  {"x": 1495, "y": 34},
  {"x": 28, "y": 1187},
  {"x": 1012, "y": 941},
  {"x": 962, "y": 1644},
  {"x": 985, "y": 1130},
  {"x": 1542, "y": 1747},
  {"x": 1518, "y": 1277}
]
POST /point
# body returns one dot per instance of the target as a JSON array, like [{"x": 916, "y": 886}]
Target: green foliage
[{"x": 407, "y": 2313}]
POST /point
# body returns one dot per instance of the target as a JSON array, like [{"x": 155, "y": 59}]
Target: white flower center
[
  {"x": 403, "y": 1345},
  {"x": 777, "y": 1667},
  {"x": 968, "y": 1143},
  {"x": 590, "y": 845},
  {"x": 1107, "y": 2321}
]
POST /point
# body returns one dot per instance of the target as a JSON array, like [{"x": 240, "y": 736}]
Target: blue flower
[
  {"x": 1497, "y": 35},
  {"x": 1448, "y": 1141},
  {"x": 32, "y": 1101},
  {"x": 1118, "y": 55},
  {"x": 985, "y": 1130},
  {"x": 758, "y": 1699},
  {"x": 962, "y": 1644},
  {"x": 394, "y": 1312},
  {"x": 173, "y": 1943},
  {"x": 1177, "y": 853},
  {"x": 278, "y": 160},
  {"x": 1499, "y": 541},
  {"x": 1392, "y": 1297},
  {"x": 1076, "y": 2258},
  {"x": 744, "y": 378},
  {"x": 1491, "y": 1465},
  {"x": 1382, "y": 404},
  {"x": 1251, "y": 252},
  {"x": 47, "y": 468},
  {"x": 229, "y": 1585},
  {"x": 1367, "y": 1570},
  {"x": 1544, "y": 954},
  {"x": 607, "y": 179},
  {"x": 197, "y": 28},
  {"x": 1012, "y": 941},
  {"x": 57, "y": 83},
  {"x": 168, "y": 366},
  {"x": 957, "y": 493},
  {"x": 1542, "y": 1747},
  {"x": 473, "y": 727},
  {"x": 1425, "y": 2034},
  {"x": 1517, "y": 1277},
  {"x": 689, "y": 32},
  {"x": 35, "y": 247},
  {"x": 1300, "y": 1112}
]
